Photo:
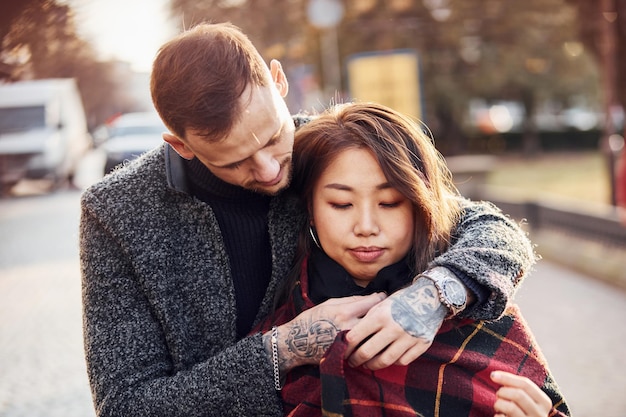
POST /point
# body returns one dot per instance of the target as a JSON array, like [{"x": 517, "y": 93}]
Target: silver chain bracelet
[{"x": 275, "y": 358}]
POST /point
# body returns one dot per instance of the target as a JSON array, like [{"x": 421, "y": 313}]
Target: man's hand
[
  {"x": 399, "y": 329},
  {"x": 305, "y": 339}
]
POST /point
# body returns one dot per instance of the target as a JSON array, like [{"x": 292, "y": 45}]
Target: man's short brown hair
[{"x": 199, "y": 76}]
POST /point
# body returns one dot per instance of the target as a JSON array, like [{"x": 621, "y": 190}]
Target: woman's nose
[{"x": 366, "y": 223}]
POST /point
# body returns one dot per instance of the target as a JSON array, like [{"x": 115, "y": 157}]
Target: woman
[{"x": 381, "y": 206}]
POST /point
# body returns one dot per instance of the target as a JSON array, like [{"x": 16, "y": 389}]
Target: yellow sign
[{"x": 390, "y": 78}]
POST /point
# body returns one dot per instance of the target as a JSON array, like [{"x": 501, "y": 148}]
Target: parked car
[
  {"x": 128, "y": 136},
  {"x": 43, "y": 131}
]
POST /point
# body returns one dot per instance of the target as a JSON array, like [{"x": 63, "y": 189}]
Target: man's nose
[{"x": 266, "y": 167}]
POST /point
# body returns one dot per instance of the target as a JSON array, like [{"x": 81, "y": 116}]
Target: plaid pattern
[{"x": 451, "y": 379}]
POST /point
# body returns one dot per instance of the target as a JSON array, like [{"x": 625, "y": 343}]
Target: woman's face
[{"x": 362, "y": 222}]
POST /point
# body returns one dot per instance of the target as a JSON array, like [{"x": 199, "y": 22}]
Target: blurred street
[{"x": 579, "y": 322}]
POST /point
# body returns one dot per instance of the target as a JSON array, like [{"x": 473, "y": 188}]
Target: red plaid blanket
[{"x": 450, "y": 380}]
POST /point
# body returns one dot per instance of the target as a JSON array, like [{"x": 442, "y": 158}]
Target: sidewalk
[
  {"x": 41, "y": 355},
  {"x": 579, "y": 325}
]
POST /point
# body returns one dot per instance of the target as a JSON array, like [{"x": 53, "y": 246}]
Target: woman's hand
[
  {"x": 519, "y": 396},
  {"x": 399, "y": 329}
]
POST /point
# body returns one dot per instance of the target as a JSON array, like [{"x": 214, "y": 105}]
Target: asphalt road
[{"x": 578, "y": 321}]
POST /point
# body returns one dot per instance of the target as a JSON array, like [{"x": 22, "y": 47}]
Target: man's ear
[
  {"x": 179, "y": 146},
  {"x": 279, "y": 77}
]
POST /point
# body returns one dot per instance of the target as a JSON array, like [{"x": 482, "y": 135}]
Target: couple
[{"x": 184, "y": 250}]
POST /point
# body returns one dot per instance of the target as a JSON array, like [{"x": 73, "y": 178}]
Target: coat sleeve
[
  {"x": 490, "y": 250},
  {"x": 128, "y": 352}
]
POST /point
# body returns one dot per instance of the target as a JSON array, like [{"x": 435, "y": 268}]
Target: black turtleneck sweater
[{"x": 242, "y": 217}]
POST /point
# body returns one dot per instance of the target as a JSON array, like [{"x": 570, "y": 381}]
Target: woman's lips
[{"x": 369, "y": 254}]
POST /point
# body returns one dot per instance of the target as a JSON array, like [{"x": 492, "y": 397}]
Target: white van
[{"x": 43, "y": 130}]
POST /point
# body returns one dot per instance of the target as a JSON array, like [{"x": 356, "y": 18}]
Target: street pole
[
  {"x": 331, "y": 67},
  {"x": 608, "y": 17},
  {"x": 325, "y": 15}
]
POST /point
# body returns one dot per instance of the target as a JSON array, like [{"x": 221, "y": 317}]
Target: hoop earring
[{"x": 312, "y": 233}]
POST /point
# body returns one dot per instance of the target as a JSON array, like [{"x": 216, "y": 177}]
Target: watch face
[{"x": 454, "y": 292}]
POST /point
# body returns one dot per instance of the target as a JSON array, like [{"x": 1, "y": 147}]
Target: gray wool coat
[{"x": 158, "y": 299}]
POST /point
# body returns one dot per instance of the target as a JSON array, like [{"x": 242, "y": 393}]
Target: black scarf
[{"x": 327, "y": 279}]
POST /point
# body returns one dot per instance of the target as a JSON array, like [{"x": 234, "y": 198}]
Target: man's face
[{"x": 256, "y": 154}]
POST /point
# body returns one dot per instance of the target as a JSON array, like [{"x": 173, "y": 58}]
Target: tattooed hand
[
  {"x": 399, "y": 329},
  {"x": 310, "y": 341},
  {"x": 305, "y": 339}
]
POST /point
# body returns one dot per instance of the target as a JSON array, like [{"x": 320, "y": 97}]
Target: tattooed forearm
[{"x": 418, "y": 310}]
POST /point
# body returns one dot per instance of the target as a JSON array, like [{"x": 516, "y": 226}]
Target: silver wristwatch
[{"x": 452, "y": 292}]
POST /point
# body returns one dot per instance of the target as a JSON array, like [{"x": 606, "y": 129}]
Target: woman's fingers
[
  {"x": 386, "y": 344},
  {"x": 519, "y": 396}
]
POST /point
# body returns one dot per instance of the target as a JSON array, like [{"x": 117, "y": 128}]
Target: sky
[{"x": 128, "y": 30}]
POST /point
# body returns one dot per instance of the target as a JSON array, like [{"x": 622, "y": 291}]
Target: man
[{"x": 182, "y": 251}]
